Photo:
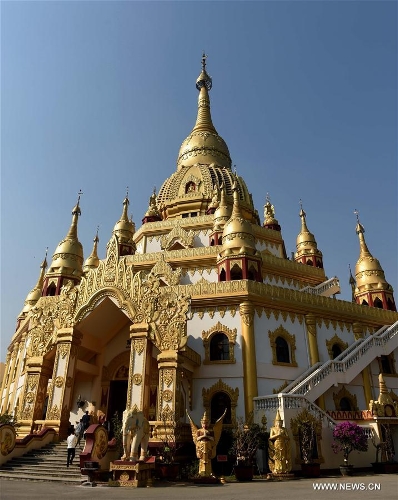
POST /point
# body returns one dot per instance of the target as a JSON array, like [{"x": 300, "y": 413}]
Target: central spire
[{"x": 204, "y": 145}]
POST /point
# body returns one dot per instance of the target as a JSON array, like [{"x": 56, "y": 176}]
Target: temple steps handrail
[
  {"x": 322, "y": 287},
  {"x": 347, "y": 361},
  {"x": 291, "y": 401}
]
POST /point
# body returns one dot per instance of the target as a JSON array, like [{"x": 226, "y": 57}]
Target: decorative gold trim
[
  {"x": 177, "y": 235},
  {"x": 291, "y": 341}
]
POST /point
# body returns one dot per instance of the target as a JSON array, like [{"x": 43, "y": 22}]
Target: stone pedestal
[{"x": 132, "y": 474}]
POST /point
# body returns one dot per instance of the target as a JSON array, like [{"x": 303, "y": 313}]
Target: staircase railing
[
  {"x": 329, "y": 287},
  {"x": 347, "y": 360}
]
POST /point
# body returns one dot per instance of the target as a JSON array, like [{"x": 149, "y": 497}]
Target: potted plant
[
  {"x": 305, "y": 427},
  {"x": 385, "y": 449},
  {"x": 348, "y": 437},
  {"x": 246, "y": 440},
  {"x": 168, "y": 432}
]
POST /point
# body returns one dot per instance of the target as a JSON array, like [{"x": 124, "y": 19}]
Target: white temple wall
[{"x": 325, "y": 334}]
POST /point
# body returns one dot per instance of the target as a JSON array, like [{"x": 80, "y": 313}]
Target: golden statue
[
  {"x": 206, "y": 440},
  {"x": 279, "y": 448}
]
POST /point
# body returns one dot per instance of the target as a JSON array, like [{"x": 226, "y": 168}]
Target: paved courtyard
[{"x": 383, "y": 487}]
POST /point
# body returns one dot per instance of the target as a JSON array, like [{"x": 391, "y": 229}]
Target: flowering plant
[{"x": 349, "y": 437}]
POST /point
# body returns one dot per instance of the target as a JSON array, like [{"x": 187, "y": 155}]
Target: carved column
[
  {"x": 169, "y": 364},
  {"x": 38, "y": 372},
  {"x": 246, "y": 310},
  {"x": 60, "y": 390},
  {"x": 140, "y": 363},
  {"x": 357, "y": 329},
  {"x": 310, "y": 322}
]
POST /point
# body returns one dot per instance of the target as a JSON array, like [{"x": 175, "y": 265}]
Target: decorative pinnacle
[
  {"x": 204, "y": 80},
  {"x": 357, "y": 215},
  {"x": 267, "y": 198},
  {"x": 204, "y": 57}
]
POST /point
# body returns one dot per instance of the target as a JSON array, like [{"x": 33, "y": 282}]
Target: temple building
[{"x": 200, "y": 308}]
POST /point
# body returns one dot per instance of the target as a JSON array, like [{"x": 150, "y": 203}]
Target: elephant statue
[{"x": 135, "y": 429}]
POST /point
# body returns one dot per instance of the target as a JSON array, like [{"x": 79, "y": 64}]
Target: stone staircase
[{"x": 45, "y": 464}]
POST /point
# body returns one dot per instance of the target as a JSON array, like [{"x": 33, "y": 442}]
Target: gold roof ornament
[
  {"x": 269, "y": 213},
  {"x": 369, "y": 274},
  {"x": 35, "y": 294},
  {"x": 68, "y": 256},
  {"x": 92, "y": 260},
  {"x": 223, "y": 212},
  {"x": 238, "y": 237},
  {"x": 153, "y": 210},
  {"x": 204, "y": 145},
  {"x": 124, "y": 228},
  {"x": 306, "y": 244}
]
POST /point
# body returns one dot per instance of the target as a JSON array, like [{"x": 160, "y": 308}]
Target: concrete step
[
  {"x": 71, "y": 470},
  {"x": 42, "y": 477}
]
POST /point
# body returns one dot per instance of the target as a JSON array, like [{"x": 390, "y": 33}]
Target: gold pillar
[
  {"x": 357, "y": 329},
  {"x": 169, "y": 363},
  {"x": 310, "y": 322},
  {"x": 60, "y": 390},
  {"x": 140, "y": 363},
  {"x": 38, "y": 372},
  {"x": 246, "y": 310}
]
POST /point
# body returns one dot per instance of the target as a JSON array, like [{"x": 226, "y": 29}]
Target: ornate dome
[{"x": 203, "y": 164}]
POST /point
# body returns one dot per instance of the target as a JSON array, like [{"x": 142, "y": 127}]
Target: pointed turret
[
  {"x": 152, "y": 214},
  {"x": 204, "y": 145},
  {"x": 67, "y": 261},
  {"x": 124, "y": 231},
  {"x": 372, "y": 288},
  {"x": 35, "y": 294},
  {"x": 238, "y": 258},
  {"x": 269, "y": 216},
  {"x": 307, "y": 248},
  {"x": 92, "y": 260}
]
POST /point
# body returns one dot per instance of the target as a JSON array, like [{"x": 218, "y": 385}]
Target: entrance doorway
[{"x": 117, "y": 398}]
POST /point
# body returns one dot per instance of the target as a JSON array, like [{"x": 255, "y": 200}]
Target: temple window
[
  {"x": 378, "y": 303},
  {"x": 345, "y": 404},
  {"x": 219, "y": 402},
  {"x": 390, "y": 305},
  {"x": 51, "y": 289},
  {"x": 344, "y": 400},
  {"x": 223, "y": 276},
  {"x": 236, "y": 272},
  {"x": 364, "y": 303},
  {"x": 336, "y": 351},
  {"x": 335, "y": 346},
  {"x": 283, "y": 346},
  {"x": 387, "y": 364},
  {"x": 219, "y": 344},
  {"x": 219, "y": 347}
]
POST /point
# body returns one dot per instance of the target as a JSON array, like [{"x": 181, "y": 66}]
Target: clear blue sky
[{"x": 100, "y": 95}]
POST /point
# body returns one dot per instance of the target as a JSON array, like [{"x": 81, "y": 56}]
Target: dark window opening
[
  {"x": 236, "y": 273},
  {"x": 219, "y": 347},
  {"x": 378, "y": 303},
  {"x": 345, "y": 404},
  {"x": 219, "y": 402},
  {"x": 336, "y": 350},
  {"x": 223, "y": 276},
  {"x": 282, "y": 350},
  {"x": 51, "y": 290}
]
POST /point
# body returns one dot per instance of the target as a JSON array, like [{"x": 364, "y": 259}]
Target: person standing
[
  {"x": 71, "y": 445},
  {"x": 86, "y": 420}
]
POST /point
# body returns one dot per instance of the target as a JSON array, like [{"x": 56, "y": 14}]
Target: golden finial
[{"x": 357, "y": 214}]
